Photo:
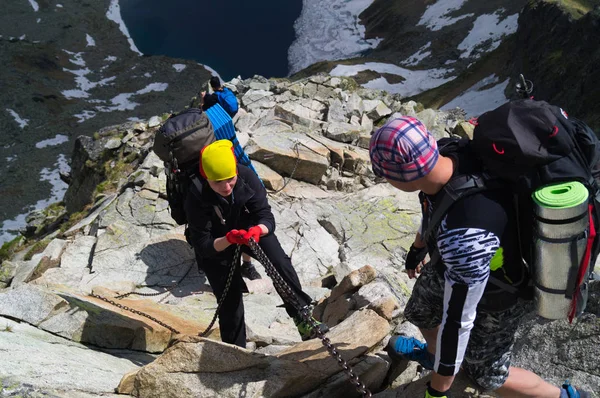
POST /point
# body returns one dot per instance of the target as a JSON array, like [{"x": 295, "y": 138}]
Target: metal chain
[
  {"x": 133, "y": 310},
  {"x": 168, "y": 288},
  {"x": 236, "y": 261},
  {"x": 288, "y": 295}
]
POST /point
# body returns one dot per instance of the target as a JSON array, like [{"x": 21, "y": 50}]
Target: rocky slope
[
  {"x": 553, "y": 43},
  {"x": 67, "y": 70},
  {"x": 408, "y": 26},
  {"x": 62, "y": 335}
]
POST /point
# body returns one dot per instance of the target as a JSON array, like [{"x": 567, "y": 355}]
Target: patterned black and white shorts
[{"x": 488, "y": 354}]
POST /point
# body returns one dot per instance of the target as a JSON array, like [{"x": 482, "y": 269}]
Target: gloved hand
[
  {"x": 236, "y": 237},
  {"x": 414, "y": 257},
  {"x": 254, "y": 233},
  {"x": 433, "y": 393}
]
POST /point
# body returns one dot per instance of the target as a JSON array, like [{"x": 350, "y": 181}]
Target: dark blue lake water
[{"x": 234, "y": 37}]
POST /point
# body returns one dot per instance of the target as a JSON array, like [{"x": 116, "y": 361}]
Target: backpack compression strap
[{"x": 456, "y": 189}]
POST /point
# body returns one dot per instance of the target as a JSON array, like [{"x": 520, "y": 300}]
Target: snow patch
[
  {"x": 179, "y": 67},
  {"x": 35, "y": 5},
  {"x": 59, "y": 187},
  {"x": 122, "y": 101},
  {"x": 10, "y": 228},
  {"x": 20, "y": 121},
  {"x": 475, "y": 101},
  {"x": 85, "y": 115},
  {"x": 328, "y": 30},
  {"x": 211, "y": 70},
  {"x": 418, "y": 56},
  {"x": 90, "y": 40},
  {"x": 83, "y": 83},
  {"x": 416, "y": 81},
  {"x": 114, "y": 14},
  {"x": 436, "y": 16},
  {"x": 77, "y": 58},
  {"x": 57, "y": 140},
  {"x": 486, "y": 27}
]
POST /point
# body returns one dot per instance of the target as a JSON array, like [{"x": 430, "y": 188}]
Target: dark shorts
[{"x": 488, "y": 354}]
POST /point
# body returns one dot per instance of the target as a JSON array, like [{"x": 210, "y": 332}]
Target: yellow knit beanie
[{"x": 217, "y": 161}]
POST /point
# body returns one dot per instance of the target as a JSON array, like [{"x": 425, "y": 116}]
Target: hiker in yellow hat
[
  {"x": 218, "y": 166},
  {"x": 230, "y": 208}
]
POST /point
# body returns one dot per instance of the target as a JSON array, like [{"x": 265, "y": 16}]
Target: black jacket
[{"x": 211, "y": 216}]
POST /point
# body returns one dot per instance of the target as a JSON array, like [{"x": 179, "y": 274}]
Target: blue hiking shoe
[
  {"x": 568, "y": 391},
  {"x": 402, "y": 347}
]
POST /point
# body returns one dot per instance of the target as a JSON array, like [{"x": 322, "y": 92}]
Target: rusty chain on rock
[
  {"x": 236, "y": 259},
  {"x": 286, "y": 293},
  {"x": 133, "y": 310}
]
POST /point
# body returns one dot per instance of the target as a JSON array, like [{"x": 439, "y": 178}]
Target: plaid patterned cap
[{"x": 403, "y": 150}]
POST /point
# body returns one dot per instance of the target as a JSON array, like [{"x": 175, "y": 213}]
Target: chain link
[
  {"x": 167, "y": 288},
  {"x": 236, "y": 261},
  {"x": 288, "y": 295},
  {"x": 133, "y": 310}
]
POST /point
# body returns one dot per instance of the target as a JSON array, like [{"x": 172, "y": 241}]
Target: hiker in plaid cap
[
  {"x": 403, "y": 150},
  {"x": 467, "y": 322}
]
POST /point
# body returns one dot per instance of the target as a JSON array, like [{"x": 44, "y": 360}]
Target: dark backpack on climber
[
  {"x": 541, "y": 155},
  {"x": 178, "y": 143},
  {"x": 226, "y": 98}
]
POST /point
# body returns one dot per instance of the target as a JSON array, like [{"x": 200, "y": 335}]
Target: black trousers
[{"x": 231, "y": 314}]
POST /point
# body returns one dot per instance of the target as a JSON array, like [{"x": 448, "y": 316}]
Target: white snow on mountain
[
  {"x": 85, "y": 115},
  {"x": 57, "y": 140},
  {"x": 328, "y": 30},
  {"x": 20, "y": 121},
  {"x": 476, "y": 100},
  {"x": 418, "y": 56},
  {"x": 84, "y": 85},
  {"x": 123, "y": 101},
  {"x": 114, "y": 14},
  {"x": 436, "y": 16},
  {"x": 35, "y": 5},
  {"x": 416, "y": 81},
  {"x": 10, "y": 228},
  {"x": 488, "y": 27},
  {"x": 90, "y": 40}
]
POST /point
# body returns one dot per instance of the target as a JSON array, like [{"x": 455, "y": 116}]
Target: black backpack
[
  {"x": 522, "y": 146},
  {"x": 178, "y": 143}
]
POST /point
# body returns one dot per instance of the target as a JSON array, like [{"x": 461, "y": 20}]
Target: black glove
[
  {"x": 433, "y": 393},
  {"x": 414, "y": 257}
]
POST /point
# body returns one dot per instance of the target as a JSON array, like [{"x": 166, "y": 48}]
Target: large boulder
[{"x": 288, "y": 153}]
